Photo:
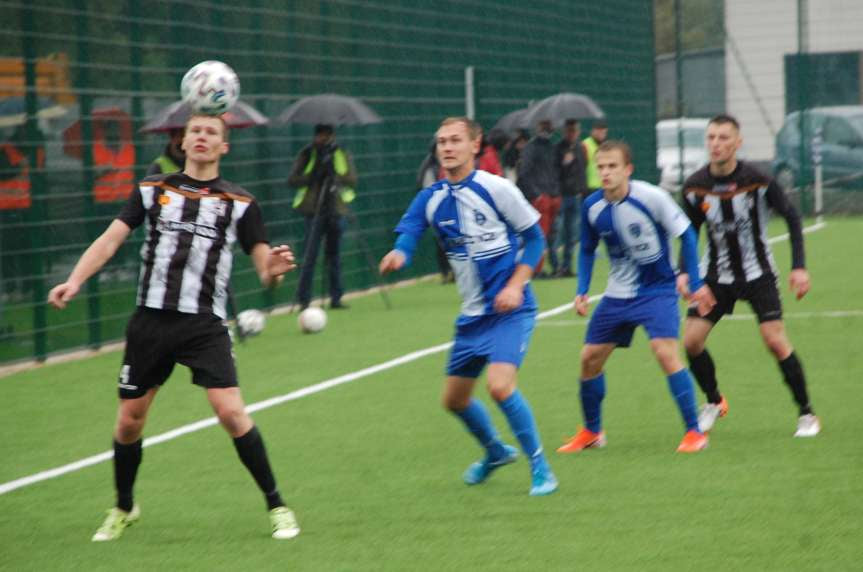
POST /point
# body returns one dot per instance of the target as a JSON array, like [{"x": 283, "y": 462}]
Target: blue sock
[
  {"x": 592, "y": 392},
  {"x": 680, "y": 385},
  {"x": 479, "y": 423},
  {"x": 520, "y": 418}
]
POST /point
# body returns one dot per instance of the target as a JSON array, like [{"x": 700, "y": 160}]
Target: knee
[
  {"x": 500, "y": 390},
  {"x": 129, "y": 426},
  {"x": 232, "y": 418},
  {"x": 668, "y": 360},
  {"x": 455, "y": 403},
  {"x": 778, "y": 346},
  {"x": 694, "y": 346},
  {"x": 591, "y": 363}
]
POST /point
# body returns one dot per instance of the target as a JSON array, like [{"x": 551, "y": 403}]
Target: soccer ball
[
  {"x": 211, "y": 87},
  {"x": 251, "y": 322},
  {"x": 312, "y": 320}
]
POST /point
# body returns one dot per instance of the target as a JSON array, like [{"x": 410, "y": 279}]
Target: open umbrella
[
  {"x": 13, "y": 110},
  {"x": 174, "y": 116},
  {"x": 513, "y": 120},
  {"x": 558, "y": 108},
  {"x": 329, "y": 109}
]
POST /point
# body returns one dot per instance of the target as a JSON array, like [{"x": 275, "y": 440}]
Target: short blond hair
[
  {"x": 219, "y": 117},
  {"x": 474, "y": 129}
]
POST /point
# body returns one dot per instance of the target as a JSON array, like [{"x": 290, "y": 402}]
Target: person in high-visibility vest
[
  {"x": 325, "y": 177},
  {"x": 114, "y": 164},
  {"x": 598, "y": 135},
  {"x": 172, "y": 159}
]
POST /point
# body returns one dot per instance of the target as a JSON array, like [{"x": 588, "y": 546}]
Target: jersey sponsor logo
[
  {"x": 463, "y": 240},
  {"x": 219, "y": 207},
  {"x": 720, "y": 227},
  {"x": 725, "y": 188},
  {"x": 191, "y": 227}
]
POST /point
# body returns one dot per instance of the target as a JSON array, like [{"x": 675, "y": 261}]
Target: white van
[{"x": 668, "y": 158}]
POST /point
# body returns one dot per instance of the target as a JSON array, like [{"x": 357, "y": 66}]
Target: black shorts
[
  {"x": 156, "y": 340},
  {"x": 761, "y": 293}
]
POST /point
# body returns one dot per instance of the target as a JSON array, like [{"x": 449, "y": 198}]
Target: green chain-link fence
[{"x": 79, "y": 77}]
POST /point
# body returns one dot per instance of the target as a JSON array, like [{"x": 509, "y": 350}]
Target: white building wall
[{"x": 763, "y": 32}]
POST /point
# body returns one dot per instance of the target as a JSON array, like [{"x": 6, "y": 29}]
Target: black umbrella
[
  {"x": 558, "y": 108},
  {"x": 177, "y": 114},
  {"x": 513, "y": 120},
  {"x": 329, "y": 109},
  {"x": 13, "y": 110}
]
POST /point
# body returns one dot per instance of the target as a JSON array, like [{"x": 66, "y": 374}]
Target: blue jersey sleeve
[
  {"x": 587, "y": 251},
  {"x": 407, "y": 245},
  {"x": 534, "y": 244},
  {"x": 414, "y": 221},
  {"x": 689, "y": 255}
]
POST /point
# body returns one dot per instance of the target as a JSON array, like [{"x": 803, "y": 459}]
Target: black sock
[
  {"x": 127, "y": 458},
  {"x": 251, "y": 449},
  {"x": 704, "y": 371},
  {"x": 792, "y": 371}
]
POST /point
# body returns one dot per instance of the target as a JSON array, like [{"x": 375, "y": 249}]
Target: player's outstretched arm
[
  {"x": 271, "y": 263},
  {"x": 93, "y": 259}
]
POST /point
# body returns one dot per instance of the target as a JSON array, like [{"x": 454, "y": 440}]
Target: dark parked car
[{"x": 841, "y": 147}]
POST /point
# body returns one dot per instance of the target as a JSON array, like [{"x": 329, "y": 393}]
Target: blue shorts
[
  {"x": 615, "y": 319},
  {"x": 490, "y": 339}
]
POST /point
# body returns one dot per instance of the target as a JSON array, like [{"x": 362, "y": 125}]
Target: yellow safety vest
[
  {"x": 166, "y": 164},
  {"x": 593, "y": 179},
  {"x": 340, "y": 164}
]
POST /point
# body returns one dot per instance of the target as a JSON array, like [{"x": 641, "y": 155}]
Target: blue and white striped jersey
[
  {"x": 635, "y": 231},
  {"x": 477, "y": 221}
]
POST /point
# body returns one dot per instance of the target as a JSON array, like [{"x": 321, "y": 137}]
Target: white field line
[
  {"x": 267, "y": 403},
  {"x": 738, "y": 317}
]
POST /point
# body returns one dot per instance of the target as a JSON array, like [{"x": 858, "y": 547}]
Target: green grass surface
[{"x": 372, "y": 468}]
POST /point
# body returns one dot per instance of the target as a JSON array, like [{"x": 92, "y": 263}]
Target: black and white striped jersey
[
  {"x": 191, "y": 227},
  {"x": 735, "y": 209}
]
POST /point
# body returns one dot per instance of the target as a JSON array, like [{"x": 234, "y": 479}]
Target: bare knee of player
[
  {"x": 457, "y": 393},
  {"x": 775, "y": 338},
  {"x": 592, "y": 360},
  {"x": 665, "y": 351},
  {"x": 695, "y": 334},
  {"x": 501, "y": 380},
  {"x": 230, "y": 410},
  {"x": 131, "y": 418}
]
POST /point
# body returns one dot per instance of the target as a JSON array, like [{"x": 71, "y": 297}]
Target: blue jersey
[
  {"x": 635, "y": 231},
  {"x": 477, "y": 221}
]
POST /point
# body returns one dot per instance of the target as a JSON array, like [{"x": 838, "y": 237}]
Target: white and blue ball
[{"x": 210, "y": 87}]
